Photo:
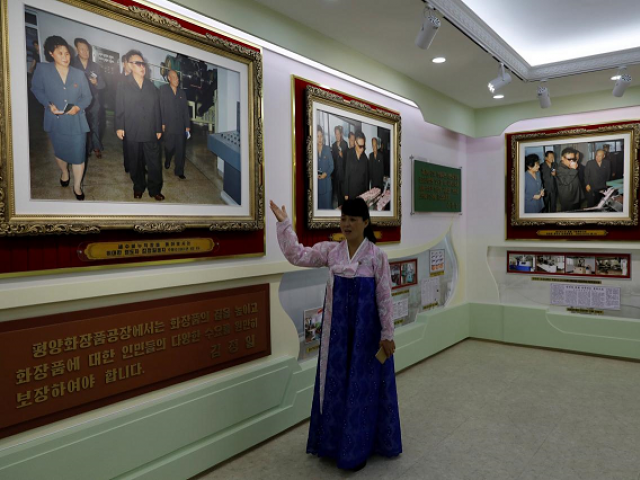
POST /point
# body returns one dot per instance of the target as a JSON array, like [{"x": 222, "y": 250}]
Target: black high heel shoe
[
  {"x": 79, "y": 197},
  {"x": 65, "y": 183}
]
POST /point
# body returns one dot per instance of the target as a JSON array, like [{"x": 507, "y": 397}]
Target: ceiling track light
[
  {"x": 544, "y": 97},
  {"x": 429, "y": 28},
  {"x": 500, "y": 81},
  {"x": 622, "y": 83}
]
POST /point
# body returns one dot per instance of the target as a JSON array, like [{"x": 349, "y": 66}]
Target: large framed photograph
[
  {"x": 353, "y": 150},
  {"x": 576, "y": 177},
  {"x": 117, "y": 117}
]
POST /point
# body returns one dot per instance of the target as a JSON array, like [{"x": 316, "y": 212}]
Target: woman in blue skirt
[
  {"x": 355, "y": 403},
  {"x": 64, "y": 93}
]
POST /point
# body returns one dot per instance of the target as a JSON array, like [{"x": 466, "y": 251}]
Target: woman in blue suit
[
  {"x": 64, "y": 92},
  {"x": 533, "y": 191},
  {"x": 325, "y": 169}
]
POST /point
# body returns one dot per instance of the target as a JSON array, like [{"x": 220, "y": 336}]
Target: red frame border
[
  {"x": 571, "y": 254},
  {"x": 132, "y": 307},
  {"x": 306, "y": 236},
  {"x": 54, "y": 254},
  {"x": 614, "y": 233},
  {"x": 415, "y": 262}
]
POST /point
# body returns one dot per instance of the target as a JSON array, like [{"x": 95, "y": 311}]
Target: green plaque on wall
[{"x": 436, "y": 188}]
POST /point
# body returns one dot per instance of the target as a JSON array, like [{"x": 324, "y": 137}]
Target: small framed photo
[
  {"x": 353, "y": 150},
  {"x": 569, "y": 264},
  {"x": 404, "y": 274},
  {"x": 312, "y": 325}
]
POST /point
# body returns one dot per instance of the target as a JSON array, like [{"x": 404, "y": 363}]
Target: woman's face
[
  {"x": 535, "y": 168},
  {"x": 352, "y": 227},
  {"x": 61, "y": 56}
]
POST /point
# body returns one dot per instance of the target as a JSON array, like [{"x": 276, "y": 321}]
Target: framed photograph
[
  {"x": 575, "y": 177},
  {"x": 404, "y": 274},
  {"x": 118, "y": 117},
  {"x": 521, "y": 262},
  {"x": 352, "y": 150},
  {"x": 570, "y": 264},
  {"x": 312, "y": 325}
]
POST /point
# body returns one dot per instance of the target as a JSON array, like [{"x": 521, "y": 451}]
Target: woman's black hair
[
  {"x": 530, "y": 161},
  {"x": 357, "y": 207},
  {"x": 50, "y": 45}
]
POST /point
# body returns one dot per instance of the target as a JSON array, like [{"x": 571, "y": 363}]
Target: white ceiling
[
  {"x": 548, "y": 31},
  {"x": 385, "y": 31}
]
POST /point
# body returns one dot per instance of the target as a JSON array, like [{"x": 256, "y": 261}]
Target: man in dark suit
[
  {"x": 176, "y": 123},
  {"x": 126, "y": 71},
  {"x": 94, "y": 75},
  {"x": 356, "y": 178},
  {"x": 596, "y": 175},
  {"x": 339, "y": 154},
  {"x": 548, "y": 173},
  {"x": 376, "y": 166},
  {"x": 138, "y": 119},
  {"x": 569, "y": 187}
]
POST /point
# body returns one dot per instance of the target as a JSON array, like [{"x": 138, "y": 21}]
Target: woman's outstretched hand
[{"x": 280, "y": 213}]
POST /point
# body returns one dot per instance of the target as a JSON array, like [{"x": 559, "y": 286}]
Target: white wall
[
  {"x": 34, "y": 296},
  {"x": 485, "y": 214}
]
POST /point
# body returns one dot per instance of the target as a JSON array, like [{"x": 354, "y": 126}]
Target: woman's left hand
[
  {"x": 389, "y": 347},
  {"x": 75, "y": 109}
]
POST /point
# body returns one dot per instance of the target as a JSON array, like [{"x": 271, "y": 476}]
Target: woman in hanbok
[{"x": 355, "y": 404}]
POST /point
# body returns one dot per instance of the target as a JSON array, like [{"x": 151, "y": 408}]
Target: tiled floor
[{"x": 486, "y": 411}]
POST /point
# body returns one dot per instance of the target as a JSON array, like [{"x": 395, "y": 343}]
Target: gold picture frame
[
  {"x": 323, "y": 106},
  {"x": 572, "y": 204},
  {"x": 21, "y": 214}
]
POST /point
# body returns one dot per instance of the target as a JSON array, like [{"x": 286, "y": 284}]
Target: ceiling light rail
[{"x": 429, "y": 28}]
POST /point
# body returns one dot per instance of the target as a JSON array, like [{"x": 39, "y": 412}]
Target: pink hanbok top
[{"x": 368, "y": 261}]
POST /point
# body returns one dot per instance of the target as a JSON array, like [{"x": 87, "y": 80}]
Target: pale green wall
[
  {"x": 176, "y": 436},
  {"x": 493, "y": 121},
  {"x": 200, "y": 425},
  {"x": 278, "y": 29},
  {"x": 436, "y": 108}
]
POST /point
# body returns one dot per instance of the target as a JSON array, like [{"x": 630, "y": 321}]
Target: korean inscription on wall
[
  {"x": 64, "y": 361},
  {"x": 436, "y": 188}
]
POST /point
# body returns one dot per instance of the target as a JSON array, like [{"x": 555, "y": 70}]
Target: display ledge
[
  {"x": 133, "y": 285},
  {"x": 585, "y": 245}
]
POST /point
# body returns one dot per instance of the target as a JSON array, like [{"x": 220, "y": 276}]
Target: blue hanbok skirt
[{"x": 360, "y": 411}]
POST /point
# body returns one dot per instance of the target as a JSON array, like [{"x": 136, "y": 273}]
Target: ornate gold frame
[
  {"x": 315, "y": 95},
  {"x": 522, "y": 138},
  {"x": 12, "y": 224}
]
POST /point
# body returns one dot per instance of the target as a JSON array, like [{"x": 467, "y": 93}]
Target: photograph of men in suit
[
  {"x": 339, "y": 154},
  {"x": 138, "y": 120},
  {"x": 376, "y": 166},
  {"x": 597, "y": 173},
  {"x": 325, "y": 169},
  {"x": 352, "y": 140},
  {"x": 568, "y": 182},
  {"x": 356, "y": 178},
  {"x": 94, "y": 75},
  {"x": 176, "y": 123},
  {"x": 548, "y": 172},
  {"x": 126, "y": 70}
]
